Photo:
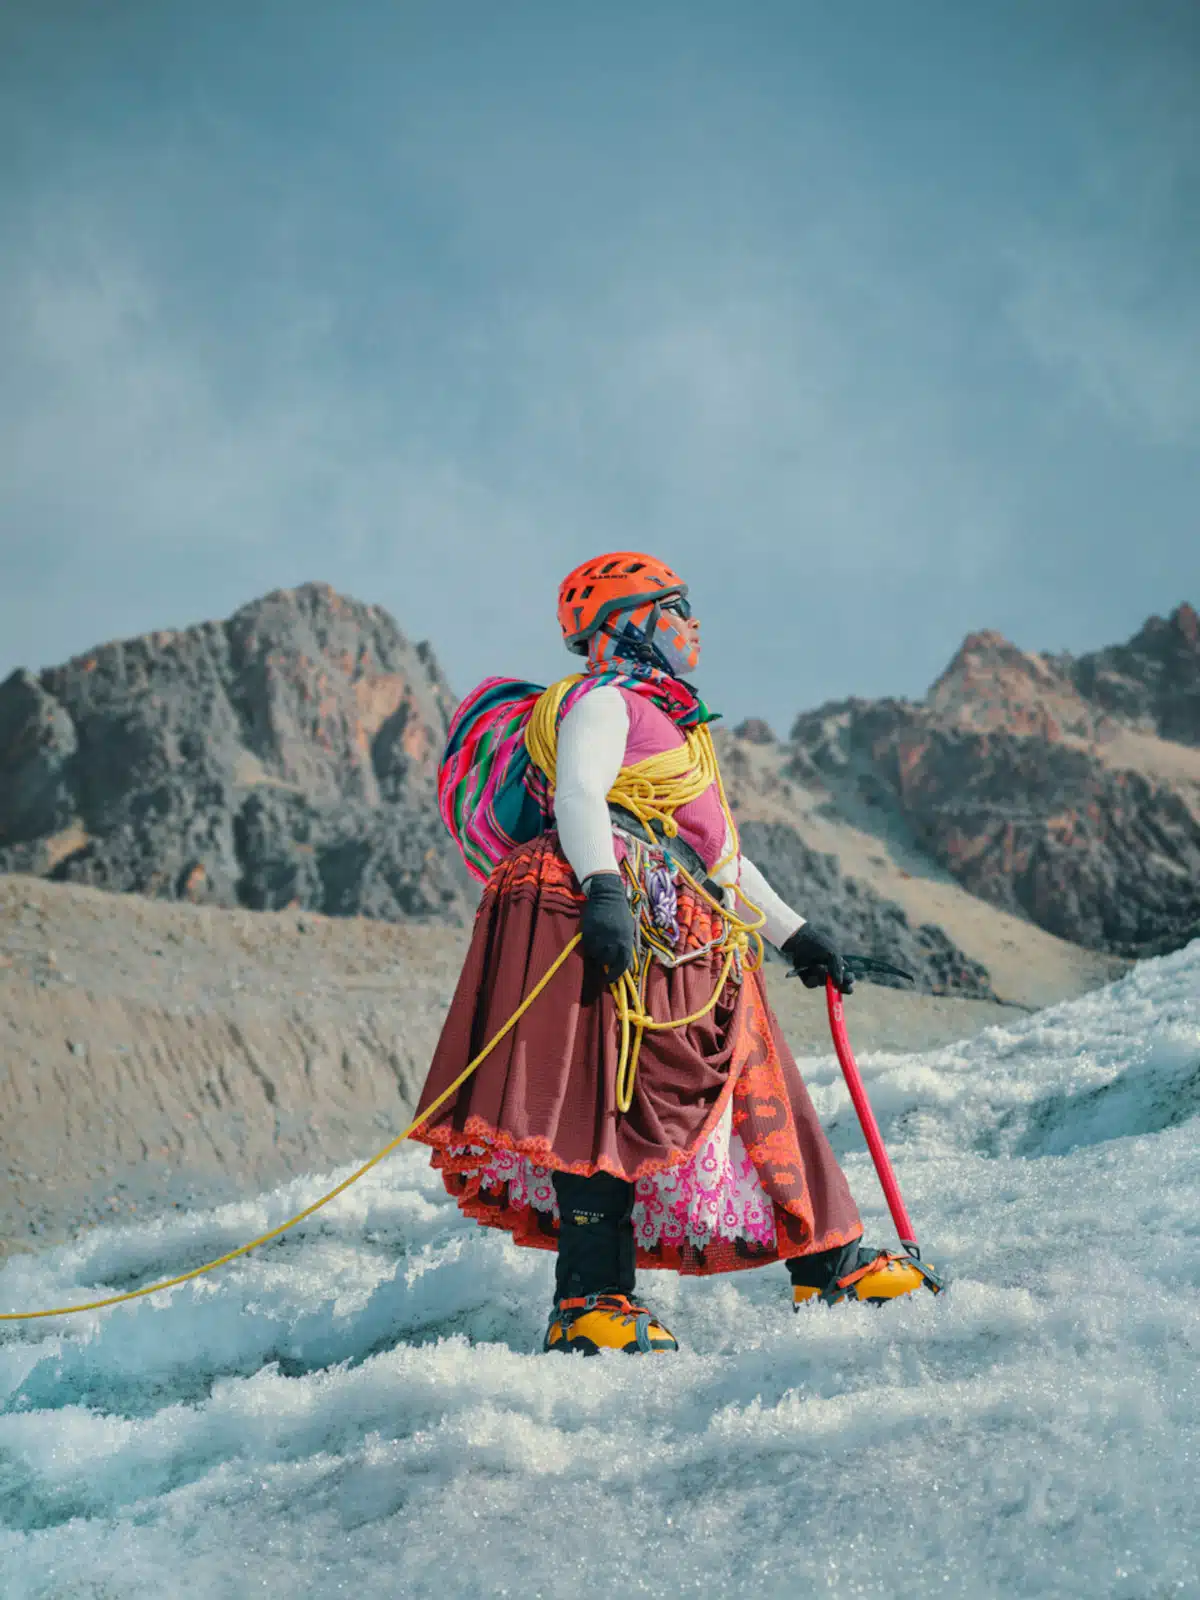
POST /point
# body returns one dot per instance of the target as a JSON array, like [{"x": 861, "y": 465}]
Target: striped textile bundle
[
  {"x": 491, "y": 796},
  {"x": 484, "y": 793}
]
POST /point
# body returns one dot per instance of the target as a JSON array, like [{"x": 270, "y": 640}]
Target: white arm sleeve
[
  {"x": 782, "y": 921},
  {"x": 591, "y": 750}
]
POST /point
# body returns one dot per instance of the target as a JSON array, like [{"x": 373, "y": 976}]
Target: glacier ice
[{"x": 359, "y": 1409}]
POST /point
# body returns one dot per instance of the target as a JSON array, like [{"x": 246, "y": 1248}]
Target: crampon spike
[{"x": 870, "y": 1128}]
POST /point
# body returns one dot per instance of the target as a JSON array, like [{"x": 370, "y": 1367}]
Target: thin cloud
[
  {"x": 1085, "y": 322},
  {"x": 1105, "y": 296},
  {"x": 113, "y": 421}
]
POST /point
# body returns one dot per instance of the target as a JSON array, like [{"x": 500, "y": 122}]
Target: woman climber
[{"x": 645, "y": 1110}]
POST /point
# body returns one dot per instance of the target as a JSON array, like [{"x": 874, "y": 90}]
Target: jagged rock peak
[
  {"x": 1153, "y": 682},
  {"x": 986, "y": 653},
  {"x": 316, "y": 609},
  {"x": 1053, "y": 786},
  {"x": 287, "y": 754},
  {"x": 991, "y": 683},
  {"x": 755, "y": 731},
  {"x": 1182, "y": 627}
]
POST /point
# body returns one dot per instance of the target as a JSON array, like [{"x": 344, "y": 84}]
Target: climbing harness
[{"x": 740, "y": 943}]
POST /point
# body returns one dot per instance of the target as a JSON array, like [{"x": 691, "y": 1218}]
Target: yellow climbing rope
[
  {"x": 629, "y": 991},
  {"x": 652, "y": 790},
  {"x": 265, "y": 1238}
]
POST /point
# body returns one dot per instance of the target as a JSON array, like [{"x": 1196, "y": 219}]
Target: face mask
[
  {"x": 669, "y": 641},
  {"x": 677, "y": 638}
]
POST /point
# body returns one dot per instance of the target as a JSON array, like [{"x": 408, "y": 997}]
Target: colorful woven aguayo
[{"x": 492, "y": 797}]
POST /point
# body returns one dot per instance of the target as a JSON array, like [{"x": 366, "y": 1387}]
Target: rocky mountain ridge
[
  {"x": 285, "y": 756},
  {"x": 1066, "y": 790},
  {"x": 288, "y": 757}
]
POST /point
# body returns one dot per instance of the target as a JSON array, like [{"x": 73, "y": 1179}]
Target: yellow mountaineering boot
[
  {"x": 596, "y": 1322},
  {"x": 878, "y": 1276}
]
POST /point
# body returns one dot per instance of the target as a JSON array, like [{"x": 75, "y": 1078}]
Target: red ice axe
[{"x": 870, "y": 1128}]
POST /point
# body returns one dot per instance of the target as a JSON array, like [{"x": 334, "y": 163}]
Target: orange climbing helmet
[{"x": 607, "y": 585}]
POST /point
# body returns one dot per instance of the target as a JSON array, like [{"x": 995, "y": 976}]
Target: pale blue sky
[{"x": 879, "y": 322}]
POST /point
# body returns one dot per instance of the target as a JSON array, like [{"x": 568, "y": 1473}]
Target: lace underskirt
[{"x": 715, "y": 1195}]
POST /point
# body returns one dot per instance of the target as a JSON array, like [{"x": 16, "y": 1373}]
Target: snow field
[{"x": 358, "y": 1409}]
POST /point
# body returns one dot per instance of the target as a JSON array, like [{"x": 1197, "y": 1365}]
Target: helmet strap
[{"x": 638, "y": 645}]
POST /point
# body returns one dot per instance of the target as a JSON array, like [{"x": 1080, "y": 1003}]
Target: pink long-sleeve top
[{"x": 607, "y": 729}]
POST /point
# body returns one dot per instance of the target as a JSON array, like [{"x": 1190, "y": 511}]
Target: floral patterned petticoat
[{"x": 717, "y": 1195}]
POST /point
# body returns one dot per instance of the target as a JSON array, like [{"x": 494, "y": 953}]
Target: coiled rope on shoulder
[{"x": 652, "y": 789}]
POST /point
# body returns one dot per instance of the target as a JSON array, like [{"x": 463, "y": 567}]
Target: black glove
[
  {"x": 606, "y": 923},
  {"x": 814, "y": 957}
]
